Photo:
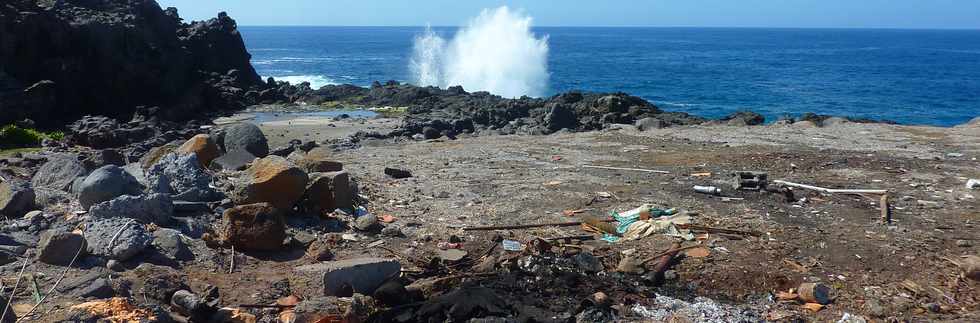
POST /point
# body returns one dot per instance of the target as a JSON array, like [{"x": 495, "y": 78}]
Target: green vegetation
[{"x": 12, "y": 136}]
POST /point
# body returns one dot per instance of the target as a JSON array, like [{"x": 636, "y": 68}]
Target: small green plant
[{"x": 12, "y": 136}]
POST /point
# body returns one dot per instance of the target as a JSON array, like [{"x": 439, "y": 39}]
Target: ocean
[{"x": 929, "y": 77}]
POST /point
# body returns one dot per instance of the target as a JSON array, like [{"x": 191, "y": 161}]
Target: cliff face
[{"x": 61, "y": 59}]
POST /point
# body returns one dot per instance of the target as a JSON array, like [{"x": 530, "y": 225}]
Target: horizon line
[{"x": 639, "y": 26}]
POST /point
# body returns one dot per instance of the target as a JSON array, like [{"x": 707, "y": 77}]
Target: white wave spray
[{"x": 495, "y": 52}]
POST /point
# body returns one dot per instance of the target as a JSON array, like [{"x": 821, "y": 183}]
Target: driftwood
[
  {"x": 628, "y": 169},
  {"x": 528, "y": 226},
  {"x": 694, "y": 227},
  {"x": 831, "y": 190},
  {"x": 669, "y": 251}
]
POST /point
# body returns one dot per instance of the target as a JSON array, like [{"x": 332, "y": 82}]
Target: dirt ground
[
  {"x": 836, "y": 239},
  {"x": 884, "y": 271}
]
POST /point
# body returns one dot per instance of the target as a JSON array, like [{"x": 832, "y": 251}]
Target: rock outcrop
[{"x": 60, "y": 60}]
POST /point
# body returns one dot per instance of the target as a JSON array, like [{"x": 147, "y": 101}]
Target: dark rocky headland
[{"x": 150, "y": 210}]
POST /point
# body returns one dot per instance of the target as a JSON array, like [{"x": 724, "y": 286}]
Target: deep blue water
[{"x": 910, "y": 76}]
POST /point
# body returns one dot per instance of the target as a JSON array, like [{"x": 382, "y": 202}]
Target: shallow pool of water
[{"x": 264, "y": 117}]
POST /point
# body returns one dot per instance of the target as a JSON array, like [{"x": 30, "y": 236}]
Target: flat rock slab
[
  {"x": 233, "y": 160},
  {"x": 360, "y": 275}
]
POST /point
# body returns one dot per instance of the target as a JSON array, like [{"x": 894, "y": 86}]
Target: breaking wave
[
  {"x": 495, "y": 52},
  {"x": 316, "y": 81}
]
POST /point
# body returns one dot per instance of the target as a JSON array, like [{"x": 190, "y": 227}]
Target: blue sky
[{"x": 702, "y": 13}]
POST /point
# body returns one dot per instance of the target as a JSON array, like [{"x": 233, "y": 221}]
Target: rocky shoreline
[{"x": 148, "y": 211}]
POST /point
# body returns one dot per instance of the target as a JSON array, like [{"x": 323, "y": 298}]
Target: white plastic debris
[{"x": 973, "y": 184}]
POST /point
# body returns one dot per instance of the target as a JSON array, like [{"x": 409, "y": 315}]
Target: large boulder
[
  {"x": 248, "y": 137},
  {"x": 203, "y": 146},
  {"x": 150, "y": 208},
  {"x": 117, "y": 238},
  {"x": 16, "y": 198},
  {"x": 327, "y": 192},
  {"x": 106, "y": 183},
  {"x": 318, "y": 160},
  {"x": 59, "y": 248},
  {"x": 59, "y": 172},
  {"x": 272, "y": 179},
  {"x": 257, "y": 226}
]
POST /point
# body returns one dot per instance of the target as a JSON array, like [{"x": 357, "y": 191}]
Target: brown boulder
[
  {"x": 202, "y": 145},
  {"x": 257, "y": 226},
  {"x": 272, "y": 179},
  {"x": 327, "y": 192},
  {"x": 317, "y": 161}
]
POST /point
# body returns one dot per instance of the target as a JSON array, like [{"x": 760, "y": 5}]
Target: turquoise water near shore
[{"x": 927, "y": 77}]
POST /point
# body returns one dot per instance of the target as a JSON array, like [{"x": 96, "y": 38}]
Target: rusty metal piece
[
  {"x": 816, "y": 293},
  {"x": 749, "y": 180},
  {"x": 664, "y": 262}
]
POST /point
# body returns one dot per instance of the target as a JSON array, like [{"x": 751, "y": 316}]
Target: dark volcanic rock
[
  {"x": 60, "y": 60},
  {"x": 58, "y": 248},
  {"x": 106, "y": 183},
  {"x": 117, "y": 238},
  {"x": 16, "y": 198},
  {"x": 433, "y": 112},
  {"x": 150, "y": 208},
  {"x": 59, "y": 172},
  {"x": 744, "y": 118},
  {"x": 397, "y": 173},
  {"x": 233, "y": 160},
  {"x": 248, "y": 137}
]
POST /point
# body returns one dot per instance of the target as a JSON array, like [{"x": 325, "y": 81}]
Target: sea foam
[
  {"x": 494, "y": 52},
  {"x": 316, "y": 81}
]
